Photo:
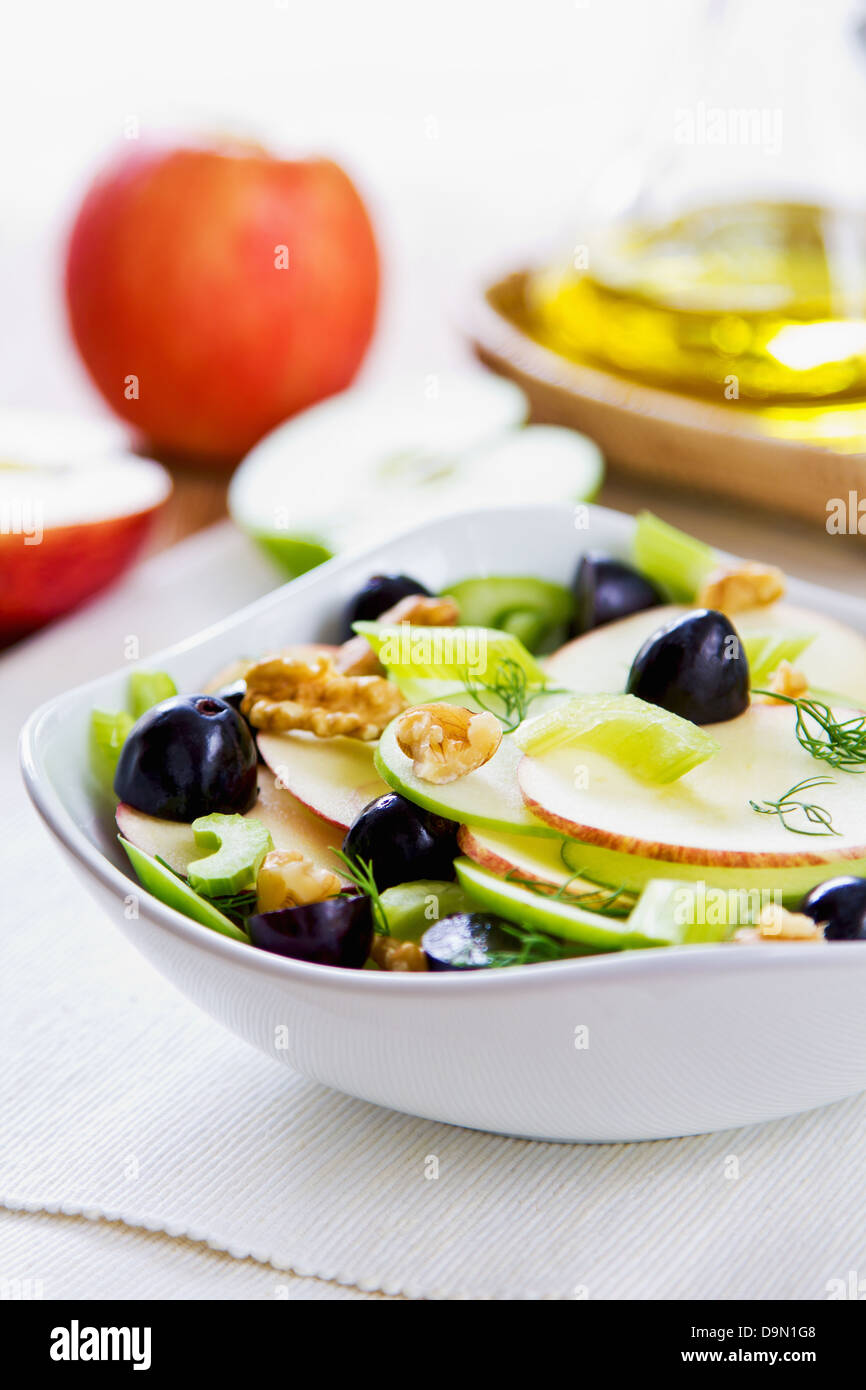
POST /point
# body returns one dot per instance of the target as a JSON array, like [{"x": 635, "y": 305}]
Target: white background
[{"x": 470, "y": 126}]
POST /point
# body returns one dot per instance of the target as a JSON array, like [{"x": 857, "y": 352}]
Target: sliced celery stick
[
  {"x": 765, "y": 651},
  {"x": 651, "y": 743},
  {"x": 675, "y": 561},
  {"x": 454, "y": 655},
  {"x": 147, "y": 688},
  {"x": 238, "y": 845},
  {"x": 534, "y": 610},
  {"x": 165, "y": 885},
  {"x": 108, "y": 733},
  {"x": 690, "y": 913}
]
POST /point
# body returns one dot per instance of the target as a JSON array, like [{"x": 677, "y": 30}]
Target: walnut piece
[
  {"x": 785, "y": 680},
  {"x": 445, "y": 742},
  {"x": 288, "y": 879},
  {"x": 776, "y": 923},
  {"x": 292, "y": 691},
  {"x": 421, "y": 610},
  {"x": 731, "y": 588},
  {"x": 357, "y": 658},
  {"x": 390, "y": 953}
]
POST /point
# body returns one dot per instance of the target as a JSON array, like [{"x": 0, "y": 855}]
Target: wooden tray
[{"x": 658, "y": 435}]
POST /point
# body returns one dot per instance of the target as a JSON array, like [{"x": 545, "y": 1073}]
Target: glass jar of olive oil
[{"x": 733, "y": 245}]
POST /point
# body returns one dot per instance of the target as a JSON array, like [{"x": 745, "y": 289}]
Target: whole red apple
[{"x": 212, "y": 293}]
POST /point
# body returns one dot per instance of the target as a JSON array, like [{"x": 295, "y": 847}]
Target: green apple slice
[
  {"x": 489, "y": 797},
  {"x": 834, "y": 659},
  {"x": 335, "y": 778},
  {"x": 380, "y": 457},
  {"x": 632, "y": 873},
  {"x": 291, "y": 826},
  {"x": 590, "y": 930},
  {"x": 706, "y": 817},
  {"x": 173, "y": 891},
  {"x": 540, "y": 861}
]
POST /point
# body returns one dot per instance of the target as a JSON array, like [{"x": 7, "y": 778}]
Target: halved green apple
[
  {"x": 835, "y": 659},
  {"x": 489, "y": 797},
  {"x": 380, "y": 455},
  {"x": 706, "y": 818},
  {"x": 333, "y": 777},
  {"x": 292, "y": 826}
]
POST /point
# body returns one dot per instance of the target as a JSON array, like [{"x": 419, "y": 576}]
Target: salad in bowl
[{"x": 659, "y": 752}]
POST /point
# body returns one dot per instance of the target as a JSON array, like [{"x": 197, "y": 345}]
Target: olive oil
[{"x": 756, "y": 301}]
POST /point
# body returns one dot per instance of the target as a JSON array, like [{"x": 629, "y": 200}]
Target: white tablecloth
[{"x": 120, "y": 1102}]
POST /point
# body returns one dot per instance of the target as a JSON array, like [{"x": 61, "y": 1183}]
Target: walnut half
[
  {"x": 292, "y": 691},
  {"x": 390, "y": 953},
  {"x": 288, "y": 879},
  {"x": 445, "y": 742},
  {"x": 785, "y": 680},
  {"x": 731, "y": 588},
  {"x": 357, "y": 658},
  {"x": 776, "y": 923}
]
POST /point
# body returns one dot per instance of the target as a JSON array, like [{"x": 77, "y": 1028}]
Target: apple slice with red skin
[
  {"x": 706, "y": 817},
  {"x": 70, "y": 521},
  {"x": 600, "y": 660},
  {"x": 333, "y": 777},
  {"x": 525, "y": 857},
  {"x": 292, "y": 827}
]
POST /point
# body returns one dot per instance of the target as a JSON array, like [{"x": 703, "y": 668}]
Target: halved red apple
[
  {"x": 291, "y": 825},
  {"x": 74, "y": 511}
]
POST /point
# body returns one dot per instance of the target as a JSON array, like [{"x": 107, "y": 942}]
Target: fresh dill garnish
[
  {"x": 599, "y": 899},
  {"x": 534, "y": 946},
  {"x": 512, "y": 689},
  {"x": 787, "y": 805},
  {"x": 841, "y": 743},
  {"x": 359, "y": 872}
]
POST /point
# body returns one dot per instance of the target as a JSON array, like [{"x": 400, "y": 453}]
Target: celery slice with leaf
[
  {"x": 651, "y": 743},
  {"x": 672, "y": 559}
]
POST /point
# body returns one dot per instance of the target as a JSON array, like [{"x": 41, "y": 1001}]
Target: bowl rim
[{"x": 638, "y": 966}]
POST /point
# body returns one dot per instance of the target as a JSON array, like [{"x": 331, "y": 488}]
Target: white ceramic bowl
[{"x": 679, "y": 1041}]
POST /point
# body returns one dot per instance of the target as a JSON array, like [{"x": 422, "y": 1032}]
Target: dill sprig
[
  {"x": 511, "y": 688},
  {"x": 841, "y": 743},
  {"x": 359, "y": 872},
  {"x": 599, "y": 900},
  {"x": 534, "y": 946},
  {"x": 788, "y": 805}
]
